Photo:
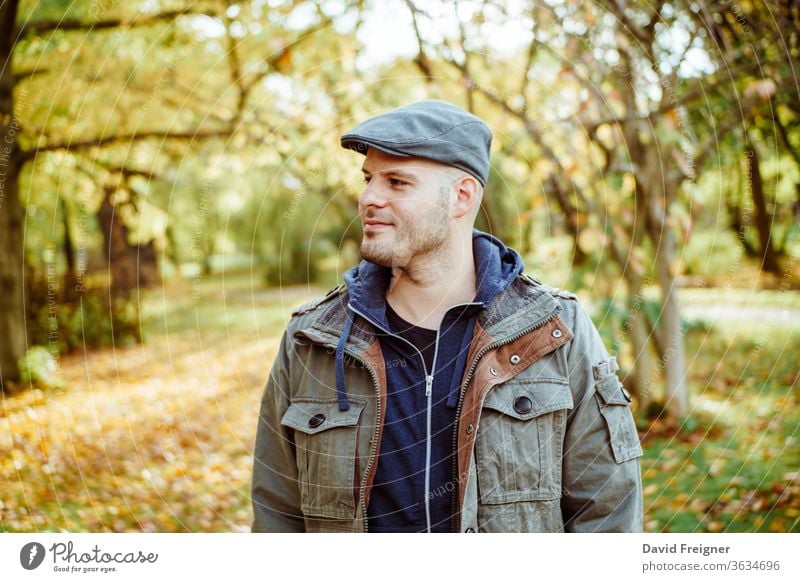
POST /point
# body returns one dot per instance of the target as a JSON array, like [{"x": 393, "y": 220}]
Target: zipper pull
[{"x": 428, "y": 385}]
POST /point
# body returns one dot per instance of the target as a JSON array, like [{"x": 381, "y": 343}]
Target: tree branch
[
  {"x": 421, "y": 59},
  {"x": 643, "y": 35},
  {"x": 27, "y": 155},
  {"x": 701, "y": 91},
  {"x": 72, "y": 24},
  {"x": 785, "y": 136}
]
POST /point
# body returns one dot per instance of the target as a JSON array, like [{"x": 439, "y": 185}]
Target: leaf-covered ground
[
  {"x": 735, "y": 465},
  {"x": 156, "y": 437},
  {"x": 159, "y": 437}
]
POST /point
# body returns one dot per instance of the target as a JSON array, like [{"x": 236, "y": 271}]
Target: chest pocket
[
  {"x": 325, "y": 442},
  {"x": 520, "y": 441}
]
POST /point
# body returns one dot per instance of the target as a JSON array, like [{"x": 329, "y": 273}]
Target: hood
[{"x": 496, "y": 267}]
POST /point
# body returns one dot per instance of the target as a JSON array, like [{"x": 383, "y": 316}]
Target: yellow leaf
[{"x": 778, "y": 526}]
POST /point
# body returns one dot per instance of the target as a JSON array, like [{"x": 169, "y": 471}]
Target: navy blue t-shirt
[
  {"x": 397, "y": 501},
  {"x": 424, "y": 339}
]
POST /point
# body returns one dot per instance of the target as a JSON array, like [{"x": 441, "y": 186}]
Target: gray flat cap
[{"x": 431, "y": 129}]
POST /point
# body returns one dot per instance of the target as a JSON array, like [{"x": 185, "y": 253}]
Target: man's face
[{"x": 405, "y": 208}]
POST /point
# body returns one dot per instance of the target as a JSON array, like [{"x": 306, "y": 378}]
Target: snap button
[
  {"x": 470, "y": 428},
  {"x": 469, "y": 530},
  {"x": 515, "y": 359},
  {"x": 316, "y": 420},
  {"x": 523, "y": 405},
  {"x": 556, "y": 333},
  {"x": 493, "y": 372}
]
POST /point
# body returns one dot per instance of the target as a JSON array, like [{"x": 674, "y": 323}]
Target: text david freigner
[
  {"x": 65, "y": 554},
  {"x": 685, "y": 549}
]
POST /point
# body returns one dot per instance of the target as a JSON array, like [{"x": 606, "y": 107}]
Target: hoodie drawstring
[{"x": 341, "y": 393}]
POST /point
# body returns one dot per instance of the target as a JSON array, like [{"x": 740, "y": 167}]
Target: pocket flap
[
  {"x": 611, "y": 391},
  {"x": 313, "y": 416},
  {"x": 526, "y": 399}
]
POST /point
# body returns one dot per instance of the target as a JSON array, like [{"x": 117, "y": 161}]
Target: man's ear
[{"x": 467, "y": 195}]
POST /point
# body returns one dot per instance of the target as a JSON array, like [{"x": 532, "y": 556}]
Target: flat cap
[{"x": 431, "y": 129}]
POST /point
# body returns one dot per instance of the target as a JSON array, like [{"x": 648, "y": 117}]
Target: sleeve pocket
[{"x": 614, "y": 405}]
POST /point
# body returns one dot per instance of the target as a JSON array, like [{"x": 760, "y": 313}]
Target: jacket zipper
[
  {"x": 429, "y": 404},
  {"x": 373, "y": 449},
  {"x": 429, "y": 399},
  {"x": 462, "y": 391}
]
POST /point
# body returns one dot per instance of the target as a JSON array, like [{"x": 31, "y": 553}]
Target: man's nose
[{"x": 372, "y": 195}]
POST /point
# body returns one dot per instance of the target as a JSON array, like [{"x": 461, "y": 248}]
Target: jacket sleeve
[
  {"x": 601, "y": 474},
  {"x": 275, "y": 486}
]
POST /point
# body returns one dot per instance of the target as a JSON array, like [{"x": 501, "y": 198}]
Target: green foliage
[
  {"x": 712, "y": 253},
  {"x": 610, "y": 319},
  {"x": 40, "y": 368},
  {"x": 72, "y": 317}
]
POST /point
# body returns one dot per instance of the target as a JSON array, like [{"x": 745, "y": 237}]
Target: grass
[
  {"x": 735, "y": 465},
  {"x": 159, "y": 437}
]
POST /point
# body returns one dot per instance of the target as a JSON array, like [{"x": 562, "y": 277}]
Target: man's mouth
[{"x": 371, "y": 225}]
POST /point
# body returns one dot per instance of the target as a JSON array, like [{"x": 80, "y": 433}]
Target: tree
[
  {"x": 758, "y": 40},
  {"x": 621, "y": 76},
  {"x": 144, "y": 115}
]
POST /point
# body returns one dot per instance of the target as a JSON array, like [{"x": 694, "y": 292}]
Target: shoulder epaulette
[
  {"x": 312, "y": 305},
  {"x": 530, "y": 279},
  {"x": 555, "y": 291},
  {"x": 564, "y": 294}
]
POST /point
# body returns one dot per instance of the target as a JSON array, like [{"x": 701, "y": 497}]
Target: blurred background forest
[{"x": 171, "y": 187}]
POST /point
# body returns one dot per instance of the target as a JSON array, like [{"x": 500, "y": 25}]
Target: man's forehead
[
  {"x": 391, "y": 168},
  {"x": 380, "y": 162}
]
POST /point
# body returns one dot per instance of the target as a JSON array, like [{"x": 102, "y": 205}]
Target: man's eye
[
  {"x": 366, "y": 179},
  {"x": 395, "y": 182}
]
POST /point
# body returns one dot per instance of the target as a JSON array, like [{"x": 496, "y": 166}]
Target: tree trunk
[
  {"x": 130, "y": 266},
  {"x": 659, "y": 194},
  {"x": 769, "y": 259},
  {"x": 642, "y": 378},
  {"x": 146, "y": 264},
  {"x": 656, "y": 193},
  {"x": 673, "y": 359},
  {"x": 171, "y": 247},
  {"x": 739, "y": 229},
  {"x": 643, "y": 369},
  {"x": 115, "y": 236},
  {"x": 69, "y": 249},
  {"x": 570, "y": 214},
  {"x": 12, "y": 306}
]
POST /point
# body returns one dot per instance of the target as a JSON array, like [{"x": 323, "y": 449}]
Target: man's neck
[{"x": 422, "y": 292}]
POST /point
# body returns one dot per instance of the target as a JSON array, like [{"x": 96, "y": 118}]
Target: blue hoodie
[{"x": 413, "y": 487}]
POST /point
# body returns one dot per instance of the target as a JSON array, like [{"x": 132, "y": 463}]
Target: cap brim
[{"x": 361, "y": 145}]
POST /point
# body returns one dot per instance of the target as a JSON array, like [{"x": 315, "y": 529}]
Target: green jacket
[{"x": 545, "y": 438}]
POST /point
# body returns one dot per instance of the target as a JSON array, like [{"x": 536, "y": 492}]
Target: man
[{"x": 440, "y": 389}]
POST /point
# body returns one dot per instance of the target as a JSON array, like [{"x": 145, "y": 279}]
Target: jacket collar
[
  {"x": 511, "y": 301},
  {"x": 496, "y": 266},
  {"x": 520, "y": 305}
]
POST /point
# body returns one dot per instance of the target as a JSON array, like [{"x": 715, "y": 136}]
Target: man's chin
[{"x": 385, "y": 255}]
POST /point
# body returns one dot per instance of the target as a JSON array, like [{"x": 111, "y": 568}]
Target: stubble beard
[{"x": 412, "y": 239}]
